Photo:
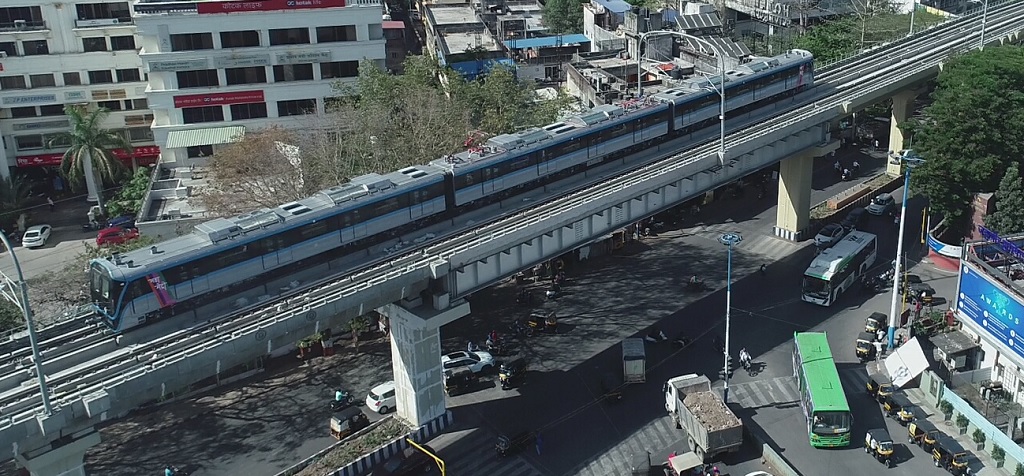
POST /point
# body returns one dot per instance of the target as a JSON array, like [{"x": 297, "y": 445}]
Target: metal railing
[{"x": 23, "y": 25}]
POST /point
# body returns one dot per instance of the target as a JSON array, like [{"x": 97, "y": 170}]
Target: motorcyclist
[
  {"x": 339, "y": 396},
  {"x": 694, "y": 281},
  {"x": 169, "y": 471},
  {"x": 856, "y": 166}
]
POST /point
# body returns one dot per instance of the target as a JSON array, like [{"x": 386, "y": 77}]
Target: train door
[{"x": 490, "y": 180}]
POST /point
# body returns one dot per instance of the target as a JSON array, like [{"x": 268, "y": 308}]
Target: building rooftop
[
  {"x": 445, "y": 15},
  {"x": 459, "y": 42},
  {"x": 548, "y": 41},
  {"x": 172, "y": 197},
  {"x": 614, "y": 6},
  {"x": 1000, "y": 257}
]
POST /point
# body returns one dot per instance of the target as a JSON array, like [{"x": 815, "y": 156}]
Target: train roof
[
  {"x": 497, "y": 146},
  {"x": 223, "y": 232}
]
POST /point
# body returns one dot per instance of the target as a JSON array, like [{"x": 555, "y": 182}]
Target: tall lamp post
[
  {"x": 19, "y": 296},
  {"x": 984, "y": 18},
  {"x": 910, "y": 161},
  {"x": 728, "y": 239},
  {"x": 720, "y": 88}
]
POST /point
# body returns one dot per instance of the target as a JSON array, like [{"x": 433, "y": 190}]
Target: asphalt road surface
[{"x": 266, "y": 423}]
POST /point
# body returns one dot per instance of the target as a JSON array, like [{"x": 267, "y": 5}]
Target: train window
[
  {"x": 313, "y": 230},
  {"x": 384, "y": 207},
  {"x": 271, "y": 244},
  {"x": 138, "y": 288},
  {"x": 468, "y": 179},
  {"x": 231, "y": 257},
  {"x": 177, "y": 275},
  {"x": 520, "y": 163}
]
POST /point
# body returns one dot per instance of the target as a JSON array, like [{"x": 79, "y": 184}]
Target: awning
[{"x": 211, "y": 136}]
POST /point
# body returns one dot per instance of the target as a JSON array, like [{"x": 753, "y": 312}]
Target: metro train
[{"x": 225, "y": 256}]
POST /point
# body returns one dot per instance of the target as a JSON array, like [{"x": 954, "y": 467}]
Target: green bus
[{"x": 822, "y": 400}]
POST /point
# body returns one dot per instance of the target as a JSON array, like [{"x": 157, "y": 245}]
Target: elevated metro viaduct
[{"x": 422, "y": 291}]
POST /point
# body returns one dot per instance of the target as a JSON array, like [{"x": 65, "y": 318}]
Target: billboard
[
  {"x": 991, "y": 307},
  {"x": 218, "y": 99},
  {"x": 265, "y": 5}
]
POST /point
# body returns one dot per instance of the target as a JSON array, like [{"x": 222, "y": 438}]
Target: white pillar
[
  {"x": 902, "y": 103},
  {"x": 6, "y": 162},
  {"x": 794, "y": 210},
  {"x": 67, "y": 460}
]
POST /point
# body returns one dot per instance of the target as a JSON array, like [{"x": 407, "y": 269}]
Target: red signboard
[
  {"x": 144, "y": 155},
  {"x": 218, "y": 99},
  {"x": 265, "y": 5}
]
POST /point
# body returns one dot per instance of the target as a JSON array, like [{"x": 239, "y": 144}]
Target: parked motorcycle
[{"x": 697, "y": 286}]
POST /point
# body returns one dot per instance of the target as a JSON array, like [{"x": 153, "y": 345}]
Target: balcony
[
  {"x": 23, "y": 25},
  {"x": 104, "y": 22}
]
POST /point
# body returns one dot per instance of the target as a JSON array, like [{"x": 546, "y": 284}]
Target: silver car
[
  {"x": 829, "y": 235},
  {"x": 882, "y": 204}
]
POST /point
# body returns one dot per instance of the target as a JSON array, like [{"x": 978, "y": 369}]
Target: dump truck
[
  {"x": 712, "y": 428},
  {"x": 634, "y": 361}
]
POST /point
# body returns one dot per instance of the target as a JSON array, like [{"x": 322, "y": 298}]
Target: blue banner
[{"x": 991, "y": 308}]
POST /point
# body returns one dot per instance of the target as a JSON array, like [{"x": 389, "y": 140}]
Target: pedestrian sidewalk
[{"x": 982, "y": 463}]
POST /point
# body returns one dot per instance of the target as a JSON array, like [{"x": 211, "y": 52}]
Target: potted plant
[
  {"x": 316, "y": 344},
  {"x": 304, "y": 346},
  {"x": 999, "y": 455},
  {"x": 357, "y": 325},
  {"x": 962, "y": 422},
  {"x": 326, "y": 342},
  {"x": 946, "y": 408},
  {"x": 979, "y": 438}
]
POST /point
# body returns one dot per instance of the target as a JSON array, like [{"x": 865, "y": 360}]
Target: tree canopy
[
  {"x": 972, "y": 131},
  {"x": 1008, "y": 217},
  {"x": 128, "y": 200},
  {"x": 90, "y": 148},
  {"x": 563, "y": 16},
  {"x": 867, "y": 27}
]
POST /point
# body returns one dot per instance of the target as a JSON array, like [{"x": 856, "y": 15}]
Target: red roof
[{"x": 393, "y": 25}]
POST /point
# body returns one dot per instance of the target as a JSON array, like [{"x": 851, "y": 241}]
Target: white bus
[{"x": 837, "y": 268}]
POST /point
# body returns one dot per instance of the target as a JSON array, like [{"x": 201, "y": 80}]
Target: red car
[{"x": 116, "y": 236}]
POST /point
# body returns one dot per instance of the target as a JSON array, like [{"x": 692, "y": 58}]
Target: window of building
[
  {"x": 140, "y": 134},
  {"x": 289, "y": 36},
  {"x": 104, "y": 11},
  {"x": 35, "y": 47},
  {"x": 42, "y": 80},
  {"x": 192, "y": 41},
  {"x": 9, "y": 48},
  {"x": 56, "y": 141},
  {"x": 29, "y": 142},
  {"x": 135, "y": 104},
  {"x": 110, "y": 105},
  {"x": 32, "y": 16},
  {"x": 101, "y": 77},
  {"x": 296, "y": 107},
  {"x": 19, "y": 112},
  {"x": 122, "y": 43},
  {"x": 239, "y": 39},
  {"x": 13, "y": 82},
  {"x": 339, "y": 69},
  {"x": 293, "y": 72},
  {"x": 331, "y": 34},
  {"x": 73, "y": 79},
  {"x": 128, "y": 75},
  {"x": 250, "y": 75},
  {"x": 248, "y": 111},
  {"x": 199, "y": 78},
  {"x": 51, "y": 110},
  {"x": 199, "y": 151},
  {"x": 94, "y": 44},
  {"x": 192, "y": 115}
]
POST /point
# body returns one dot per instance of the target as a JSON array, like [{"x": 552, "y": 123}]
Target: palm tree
[
  {"x": 14, "y": 191},
  {"x": 89, "y": 153}
]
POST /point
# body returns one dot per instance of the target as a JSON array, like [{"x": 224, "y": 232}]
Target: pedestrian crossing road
[
  {"x": 662, "y": 433},
  {"x": 470, "y": 452},
  {"x": 757, "y": 242}
]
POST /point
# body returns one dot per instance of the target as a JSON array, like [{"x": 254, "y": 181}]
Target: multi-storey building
[
  {"x": 54, "y": 53},
  {"x": 218, "y": 64}
]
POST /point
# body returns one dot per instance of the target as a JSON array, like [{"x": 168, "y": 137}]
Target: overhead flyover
[{"x": 426, "y": 285}]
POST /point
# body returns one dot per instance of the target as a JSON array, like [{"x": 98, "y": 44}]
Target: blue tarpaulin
[
  {"x": 548, "y": 41},
  {"x": 472, "y": 69}
]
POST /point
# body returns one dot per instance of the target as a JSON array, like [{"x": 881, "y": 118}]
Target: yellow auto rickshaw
[
  {"x": 875, "y": 321},
  {"x": 348, "y": 421},
  {"x": 878, "y": 443},
  {"x": 898, "y": 407},
  {"x": 949, "y": 455},
  {"x": 865, "y": 346},
  {"x": 924, "y": 434},
  {"x": 879, "y": 386}
]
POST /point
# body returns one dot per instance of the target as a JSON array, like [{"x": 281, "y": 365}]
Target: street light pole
[
  {"x": 984, "y": 19},
  {"x": 728, "y": 239},
  {"x": 720, "y": 89},
  {"x": 913, "y": 9},
  {"x": 909, "y": 163},
  {"x": 26, "y": 311}
]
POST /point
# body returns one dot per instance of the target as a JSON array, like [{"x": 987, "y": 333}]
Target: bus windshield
[
  {"x": 831, "y": 423},
  {"x": 816, "y": 287}
]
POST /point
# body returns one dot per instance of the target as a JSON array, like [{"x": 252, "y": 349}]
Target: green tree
[
  {"x": 11, "y": 317},
  {"x": 1009, "y": 215},
  {"x": 128, "y": 200},
  {"x": 563, "y": 16},
  {"x": 14, "y": 192},
  {"x": 973, "y": 129},
  {"x": 90, "y": 150},
  {"x": 870, "y": 25}
]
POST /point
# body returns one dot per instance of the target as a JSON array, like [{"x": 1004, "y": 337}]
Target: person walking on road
[
  {"x": 878, "y": 350},
  {"x": 537, "y": 443},
  {"x": 49, "y": 201}
]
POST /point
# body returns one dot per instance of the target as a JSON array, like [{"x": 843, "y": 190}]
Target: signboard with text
[
  {"x": 29, "y": 99},
  {"x": 177, "y": 65},
  {"x": 218, "y": 99},
  {"x": 241, "y": 61},
  {"x": 45, "y": 160},
  {"x": 992, "y": 308},
  {"x": 265, "y": 5}
]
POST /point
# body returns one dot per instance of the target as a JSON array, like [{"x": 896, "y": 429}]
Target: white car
[
  {"x": 882, "y": 204},
  {"x": 830, "y": 235},
  {"x": 478, "y": 362},
  {"x": 382, "y": 398},
  {"x": 36, "y": 236}
]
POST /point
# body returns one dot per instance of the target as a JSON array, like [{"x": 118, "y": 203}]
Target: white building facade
[
  {"x": 54, "y": 53},
  {"x": 216, "y": 65}
]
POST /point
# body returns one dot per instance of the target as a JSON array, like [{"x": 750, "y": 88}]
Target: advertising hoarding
[
  {"x": 991, "y": 307},
  {"x": 218, "y": 99},
  {"x": 265, "y": 5}
]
